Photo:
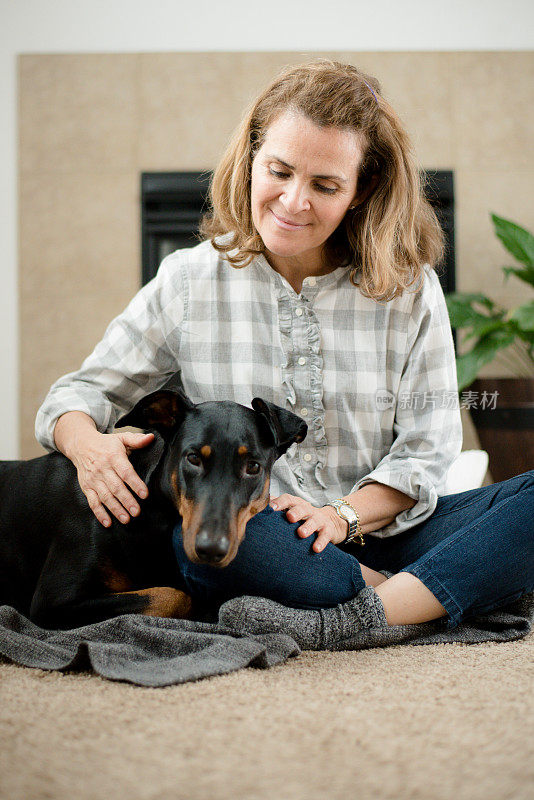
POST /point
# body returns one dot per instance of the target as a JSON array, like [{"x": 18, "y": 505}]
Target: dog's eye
[
  {"x": 193, "y": 459},
  {"x": 252, "y": 468}
]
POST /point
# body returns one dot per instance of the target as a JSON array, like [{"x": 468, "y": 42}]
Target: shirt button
[
  {"x": 307, "y": 457},
  {"x": 299, "y": 312},
  {"x": 311, "y": 281},
  {"x": 302, "y": 360},
  {"x": 304, "y": 412}
]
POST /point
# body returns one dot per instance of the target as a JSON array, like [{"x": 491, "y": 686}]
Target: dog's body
[
  {"x": 60, "y": 566},
  {"x": 209, "y": 462}
]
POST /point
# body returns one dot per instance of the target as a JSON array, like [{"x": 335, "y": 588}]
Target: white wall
[{"x": 47, "y": 26}]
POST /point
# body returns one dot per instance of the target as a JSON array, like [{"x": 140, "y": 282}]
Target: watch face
[{"x": 345, "y": 513}]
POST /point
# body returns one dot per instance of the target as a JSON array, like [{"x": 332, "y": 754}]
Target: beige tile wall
[{"x": 89, "y": 124}]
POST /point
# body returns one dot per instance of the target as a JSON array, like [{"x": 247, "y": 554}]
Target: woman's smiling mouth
[{"x": 284, "y": 223}]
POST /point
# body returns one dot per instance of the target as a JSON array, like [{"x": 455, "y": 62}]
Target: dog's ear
[
  {"x": 285, "y": 426},
  {"x": 161, "y": 411},
  {"x": 146, "y": 459}
]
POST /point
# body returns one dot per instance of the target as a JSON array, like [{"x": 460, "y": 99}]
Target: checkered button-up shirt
[{"x": 376, "y": 382}]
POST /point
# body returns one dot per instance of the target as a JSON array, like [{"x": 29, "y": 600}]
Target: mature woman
[{"x": 315, "y": 289}]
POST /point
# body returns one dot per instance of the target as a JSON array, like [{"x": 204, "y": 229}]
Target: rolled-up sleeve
[
  {"x": 427, "y": 427},
  {"x": 137, "y": 354}
]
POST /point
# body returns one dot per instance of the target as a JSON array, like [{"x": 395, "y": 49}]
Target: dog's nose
[{"x": 211, "y": 548}]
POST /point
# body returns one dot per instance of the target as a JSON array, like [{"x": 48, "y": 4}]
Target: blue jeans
[{"x": 475, "y": 553}]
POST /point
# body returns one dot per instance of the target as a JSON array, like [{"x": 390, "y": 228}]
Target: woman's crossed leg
[{"x": 474, "y": 553}]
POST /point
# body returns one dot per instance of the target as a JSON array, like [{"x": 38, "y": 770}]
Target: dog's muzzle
[{"x": 210, "y": 548}]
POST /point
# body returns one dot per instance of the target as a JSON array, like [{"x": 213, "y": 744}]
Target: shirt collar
[{"x": 312, "y": 283}]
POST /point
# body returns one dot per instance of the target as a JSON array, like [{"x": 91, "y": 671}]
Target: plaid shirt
[{"x": 376, "y": 382}]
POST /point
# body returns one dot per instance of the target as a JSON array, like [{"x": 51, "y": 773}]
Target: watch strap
[{"x": 355, "y": 529}]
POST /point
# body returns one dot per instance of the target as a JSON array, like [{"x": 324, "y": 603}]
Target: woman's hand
[
  {"x": 324, "y": 521},
  {"x": 104, "y": 473}
]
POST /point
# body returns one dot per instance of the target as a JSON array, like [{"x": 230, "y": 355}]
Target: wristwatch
[{"x": 348, "y": 513}]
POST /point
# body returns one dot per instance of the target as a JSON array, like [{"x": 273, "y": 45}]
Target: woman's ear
[{"x": 362, "y": 196}]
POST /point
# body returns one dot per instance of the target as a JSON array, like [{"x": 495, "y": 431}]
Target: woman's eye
[
  {"x": 193, "y": 459},
  {"x": 326, "y": 189},
  {"x": 253, "y": 468},
  {"x": 318, "y": 186},
  {"x": 278, "y": 174}
]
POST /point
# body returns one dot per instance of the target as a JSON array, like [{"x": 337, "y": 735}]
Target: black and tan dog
[{"x": 211, "y": 462}]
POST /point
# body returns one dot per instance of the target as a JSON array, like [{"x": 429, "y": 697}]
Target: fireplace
[{"x": 172, "y": 204}]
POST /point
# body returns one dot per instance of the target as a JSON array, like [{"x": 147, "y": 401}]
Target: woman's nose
[{"x": 295, "y": 197}]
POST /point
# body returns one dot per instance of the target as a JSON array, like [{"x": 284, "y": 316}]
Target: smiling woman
[
  {"x": 323, "y": 129},
  {"x": 296, "y": 207},
  {"x": 314, "y": 289}
]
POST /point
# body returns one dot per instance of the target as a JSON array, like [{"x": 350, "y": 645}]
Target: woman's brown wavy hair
[{"x": 391, "y": 235}]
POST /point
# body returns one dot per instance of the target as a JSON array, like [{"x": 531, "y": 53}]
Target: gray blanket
[{"x": 150, "y": 651}]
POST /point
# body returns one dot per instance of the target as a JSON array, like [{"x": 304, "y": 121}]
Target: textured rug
[
  {"x": 451, "y": 719},
  {"x": 395, "y": 723}
]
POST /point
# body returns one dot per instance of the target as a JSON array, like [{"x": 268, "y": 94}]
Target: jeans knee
[
  {"x": 525, "y": 479},
  {"x": 273, "y": 561}
]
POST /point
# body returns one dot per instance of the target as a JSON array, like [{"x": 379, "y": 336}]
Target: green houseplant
[
  {"x": 492, "y": 332},
  {"x": 492, "y": 327}
]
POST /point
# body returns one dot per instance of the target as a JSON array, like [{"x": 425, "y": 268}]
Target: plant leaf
[
  {"x": 523, "y": 273},
  {"x": 518, "y": 241},
  {"x": 461, "y": 312},
  {"x": 469, "y": 299},
  {"x": 524, "y": 317},
  {"x": 527, "y": 336},
  {"x": 481, "y": 327},
  {"x": 469, "y": 365}
]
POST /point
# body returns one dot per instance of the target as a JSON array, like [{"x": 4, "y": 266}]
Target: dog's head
[{"x": 218, "y": 458}]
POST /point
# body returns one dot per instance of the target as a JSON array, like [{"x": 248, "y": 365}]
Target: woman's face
[{"x": 303, "y": 181}]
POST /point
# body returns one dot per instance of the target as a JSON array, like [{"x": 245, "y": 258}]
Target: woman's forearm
[
  {"x": 378, "y": 505},
  {"x": 69, "y": 428}
]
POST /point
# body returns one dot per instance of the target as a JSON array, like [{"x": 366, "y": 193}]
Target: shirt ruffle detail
[
  {"x": 316, "y": 380},
  {"x": 286, "y": 371},
  {"x": 286, "y": 365}
]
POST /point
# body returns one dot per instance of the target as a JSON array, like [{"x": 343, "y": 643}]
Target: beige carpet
[{"x": 440, "y": 722}]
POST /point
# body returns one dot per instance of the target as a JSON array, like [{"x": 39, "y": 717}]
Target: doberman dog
[{"x": 210, "y": 462}]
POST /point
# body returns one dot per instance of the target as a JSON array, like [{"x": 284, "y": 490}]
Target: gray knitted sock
[{"x": 324, "y": 629}]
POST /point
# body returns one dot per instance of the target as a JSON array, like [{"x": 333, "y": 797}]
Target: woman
[{"x": 314, "y": 289}]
